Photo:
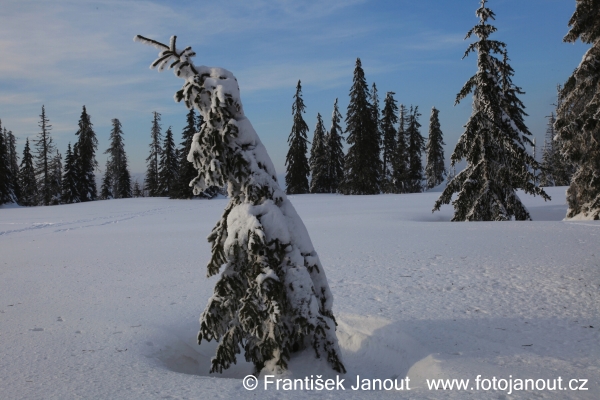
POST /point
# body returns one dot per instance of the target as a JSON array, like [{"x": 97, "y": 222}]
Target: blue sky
[{"x": 69, "y": 53}]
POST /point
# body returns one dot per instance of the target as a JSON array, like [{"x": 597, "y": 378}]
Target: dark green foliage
[
  {"x": 362, "y": 166},
  {"x": 13, "y": 162},
  {"x": 186, "y": 171},
  {"x": 117, "y": 180},
  {"x": 167, "y": 166},
  {"x": 399, "y": 161},
  {"x": 69, "y": 180},
  {"x": 27, "y": 181},
  {"x": 44, "y": 147},
  {"x": 7, "y": 190},
  {"x": 578, "y": 119},
  {"x": 84, "y": 152},
  {"x": 493, "y": 143},
  {"x": 556, "y": 170},
  {"x": 56, "y": 172},
  {"x": 151, "y": 181},
  {"x": 389, "y": 120},
  {"x": 416, "y": 145},
  {"x": 296, "y": 177},
  {"x": 335, "y": 150},
  {"x": 435, "y": 171},
  {"x": 319, "y": 159}
]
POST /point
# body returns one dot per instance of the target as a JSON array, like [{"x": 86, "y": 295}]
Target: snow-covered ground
[{"x": 102, "y": 300}]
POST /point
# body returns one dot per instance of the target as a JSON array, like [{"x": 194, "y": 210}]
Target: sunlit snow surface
[{"x": 102, "y": 300}]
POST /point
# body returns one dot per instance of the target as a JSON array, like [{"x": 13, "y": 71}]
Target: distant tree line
[
  {"x": 44, "y": 178},
  {"x": 385, "y": 147}
]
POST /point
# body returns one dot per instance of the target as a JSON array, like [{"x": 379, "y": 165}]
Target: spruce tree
[
  {"x": 272, "y": 298},
  {"x": 493, "y": 143},
  {"x": 85, "y": 153},
  {"x": 7, "y": 190},
  {"x": 548, "y": 167},
  {"x": 435, "y": 171},
  {"x": 27, "y": 180},
  {"x": 362, "y": 166},
  {"x": 319, "y": 157},
  {"x": 56, "y": 171},
  {"x": 374, "y": 101},
  {"x": 151, "y": 181},
  {"x": 578, "y": 122},
  {"x": 13, "y": 161},
  {"x": 416, "y": 145},
  {"x": 44, "y": 147},
  {"x": 400, "y": 157},
  {"x": 335, "y": 150},
  {"x": 389, "y": 120},
  {"x": 296, "y": 177},
  {"x": 186, "y": 171},
  {"x": 117, "y": 181},
  {"x": 167, "y": 166},
  {"x": 69, "y": 180}
]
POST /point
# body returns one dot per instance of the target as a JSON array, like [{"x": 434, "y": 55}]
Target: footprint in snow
[
  {"x": 60, "y": 319},
  {"x": 37, "y": 329}
]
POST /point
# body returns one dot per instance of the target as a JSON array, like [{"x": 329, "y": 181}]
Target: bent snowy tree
[{"x": 272, "y": 298}]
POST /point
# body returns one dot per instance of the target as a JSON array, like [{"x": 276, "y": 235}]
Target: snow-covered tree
[
  {"x": 362, "y": 166},
  {"x": 151, "y": 181},
  {"x": 435, "y": 171},
  {"x": 272, "y": 297},
  {"x": 319, "y": 160},
  {"x": 335, "y": 150},
  {"x": 69, "y": 180},
  {"x": 389, "y": 120},
  {"x": 7, "y": 189},
  {"x": 416, "y": 145},
  {"x": 27, "y": 180},
  {"x": 167, "y": 166},
  {"x": 400, "y": 157},
  {"x": 493, "y": 143},
  {"x": 117, "y": 180},
  {"x": 578, "y": 116},
  {"x": 296, "y": 177},
  {"x": 85, "y": 153},
  {"x": 44, "y": 147},
  {"x": 56, "y": 171},
  {"x": 186, "y": 171}
]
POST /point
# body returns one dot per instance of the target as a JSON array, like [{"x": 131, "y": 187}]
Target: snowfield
[{"x": 101, "y": 300}]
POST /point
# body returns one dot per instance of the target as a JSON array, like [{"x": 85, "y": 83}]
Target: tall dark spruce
[
  {"x": 399, "y": 181},
  {"x": 296, "y": 177},
  {"x": 7, "y": 189},
  {"x": 493, "y": 143},
  {"x": 415, "y": 147},
  {"x": 56, "y": 172},
  {"x": 272, "y": 298},
  {"x": 69, "y": 180},
  {"x": 117, "y": 179},
  {"x": 389, "y": 119},
  {"x": 44, "y": 150},
  {"x": 151, "y": 180},
  {"x": 13, "y": 162},
  {"x": 578, "y": 116},
  {"x": 362, "y": 166},
  {"x": 435, "y": 171},
  {"x": 335, "y": 151},
  {"x": 84, "y": 152},
  {"x": 168, "y": 166},
  {"x": 186, "y": 171},
  {"x": 319, "y": 158},
  {"x": 27, "y": 180}
]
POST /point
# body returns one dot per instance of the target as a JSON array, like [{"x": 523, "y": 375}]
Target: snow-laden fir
[{"x": 272, "y": 298}]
